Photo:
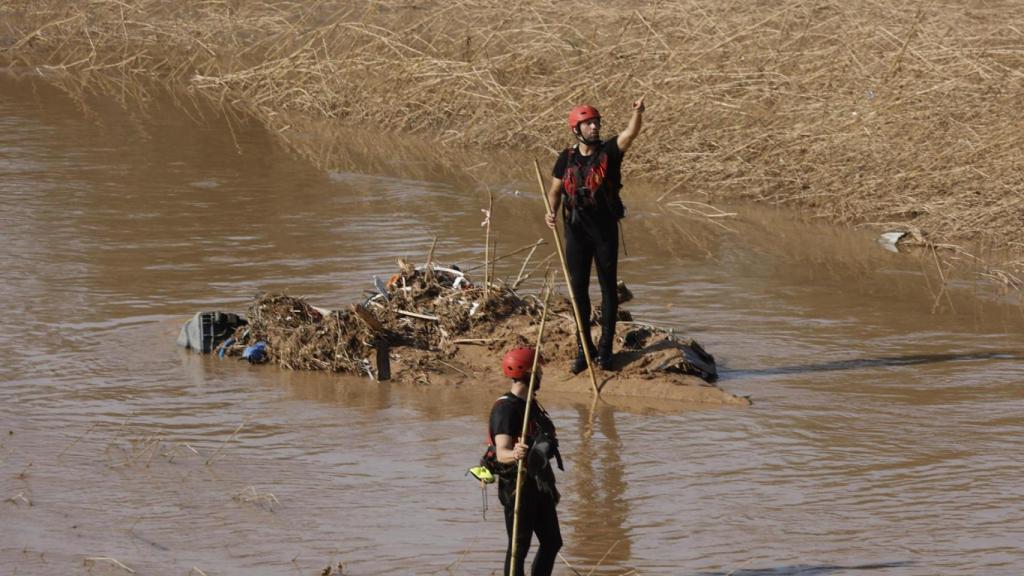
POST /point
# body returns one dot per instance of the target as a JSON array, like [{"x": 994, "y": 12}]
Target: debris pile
[
  {"x": 428, "y": 306},
  {"x": 421, "y": 308},
  {"x": 299, "y": 336},
  {"x": 435, "y": 325}
]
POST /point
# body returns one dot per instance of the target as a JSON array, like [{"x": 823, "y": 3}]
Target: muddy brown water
[{"x": 885, "y": 437}]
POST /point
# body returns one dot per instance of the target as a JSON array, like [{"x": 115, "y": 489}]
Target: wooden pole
[
  {"x": 520, "y": 471},
  {"x": 428, "y": 270},
  {"x": 568, "y": 284},
  {"x": 487, "y": 242}
]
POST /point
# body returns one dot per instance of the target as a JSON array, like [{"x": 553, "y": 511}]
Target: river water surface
[{"x": 885, "y": 436}]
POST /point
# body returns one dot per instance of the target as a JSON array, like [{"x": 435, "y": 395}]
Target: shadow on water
[
  {"x": 860, "y": 363},
  {"x": 806, "y": 569},
  {"x": 602, "y": 509}
]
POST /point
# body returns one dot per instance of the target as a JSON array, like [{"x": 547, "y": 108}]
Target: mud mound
[{"x": 432, "y": 326}]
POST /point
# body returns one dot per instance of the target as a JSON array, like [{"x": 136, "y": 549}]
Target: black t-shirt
[
  {"x": 507, "y": 418},
  {"x": 606, "y": 197}
]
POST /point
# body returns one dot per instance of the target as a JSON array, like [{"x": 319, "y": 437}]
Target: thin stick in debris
[
  {"x": 571, "y": 567},
  {"x": 535, "y": 268},
  {"x": 487, "y": 240},
  {"x": 19, "y": 497},
  {"x": 942, "y": 288},
  {"x": 174, "y": 453},
  {"x": 451, "y": 567},
  {"x": 148, "y": 445},
  {"x": 494, "y": 250},
  {"x": 520, "y": 250},
  {"x": 225, "y": 443},
  {"x": 418, "y": 315},
  {"x": 69, "y": 446},
  {"x": 154, "y": 452},
  {"x": 141, "y": 538},
  {"x": 367, "y": 317},
  {"x": 429, "y": 268},
  {"x": 114, "y": 561},
  {"x": 738, "y": 568},
  {"x": 686, "y": 208},
  {"x": 473, "y": 340},
  {"x": 463, "y": 372},
  {"x": 607, "y": 552},
  {"x": 525, "y": 262}
]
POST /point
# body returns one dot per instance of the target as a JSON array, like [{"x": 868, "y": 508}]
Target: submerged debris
[
  {"x": 301, "y": 337},
  {"x": 334, "y": 570}
]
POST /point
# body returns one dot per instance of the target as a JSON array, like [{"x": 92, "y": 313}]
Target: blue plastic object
[
  {"x": 224, "y": 347},
  {"x": 256, "y": 353}
]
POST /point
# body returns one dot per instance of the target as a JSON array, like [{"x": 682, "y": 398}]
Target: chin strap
[{"x": 582, "y": 140}]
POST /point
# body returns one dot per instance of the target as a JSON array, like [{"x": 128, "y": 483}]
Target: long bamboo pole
[
  {"x": 568, "y": 284},
  {"x": 520, "y": 471}
]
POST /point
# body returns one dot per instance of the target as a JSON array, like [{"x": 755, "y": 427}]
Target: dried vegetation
[
  {"x": 423, "y": 310},
  {"x": 427, "y": 319},
  {"x": 902, "y": 115}
]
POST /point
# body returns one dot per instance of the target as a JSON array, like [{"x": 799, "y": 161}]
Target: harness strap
[{"x": 587, "y": 177}]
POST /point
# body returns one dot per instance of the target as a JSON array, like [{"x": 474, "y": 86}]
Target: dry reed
[
  {"x": 249, "y": 495},
  {"x": 872, "y": 112},
  {"x": 89, "y": 563}
]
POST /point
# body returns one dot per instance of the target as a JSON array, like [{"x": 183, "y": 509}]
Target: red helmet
[
  {"x": 518, "y": 362},
  {"x": 582, "y": 113}
]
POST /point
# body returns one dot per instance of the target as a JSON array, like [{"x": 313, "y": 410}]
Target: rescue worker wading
[
  {"x": 537, "y": 503},
  {"x": 585, "y": 183}
]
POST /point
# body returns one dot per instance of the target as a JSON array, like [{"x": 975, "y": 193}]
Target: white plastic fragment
[{"x": 889, "y": 240}]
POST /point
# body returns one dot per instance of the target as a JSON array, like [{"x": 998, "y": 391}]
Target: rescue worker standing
[
  {"x": 585, "y": 183},
  {"x": 537, "y": 514}
]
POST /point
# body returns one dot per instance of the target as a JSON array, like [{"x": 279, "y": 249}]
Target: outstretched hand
[{"x": 626, "y": 137}]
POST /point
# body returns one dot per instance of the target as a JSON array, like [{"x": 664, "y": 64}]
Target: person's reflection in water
[{"x": 601, "y": 508}]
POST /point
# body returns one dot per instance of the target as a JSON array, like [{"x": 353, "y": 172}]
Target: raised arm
[{"x": 633, "y": 128}]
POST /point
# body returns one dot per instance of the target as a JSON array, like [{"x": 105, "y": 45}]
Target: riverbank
[{"x": 864, "y": 113}]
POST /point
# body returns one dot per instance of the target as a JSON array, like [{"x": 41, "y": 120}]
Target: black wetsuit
[
  {"x": 592, "y": 230},
  {"x": 537, "y": 514}
]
